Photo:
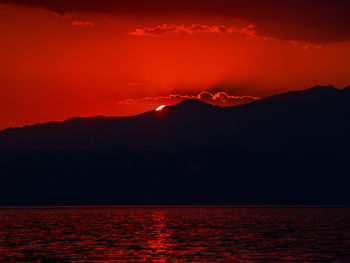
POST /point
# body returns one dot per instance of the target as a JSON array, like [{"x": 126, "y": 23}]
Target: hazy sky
[{"x": 60, "y": 58}]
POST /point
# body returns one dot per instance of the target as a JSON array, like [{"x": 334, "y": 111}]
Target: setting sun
[
  {"x": 191, "y": 117},
  {"x": 160, "y": 107}
]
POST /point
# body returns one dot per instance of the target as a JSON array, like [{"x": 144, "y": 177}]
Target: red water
[{"x": 175, "y": 235}]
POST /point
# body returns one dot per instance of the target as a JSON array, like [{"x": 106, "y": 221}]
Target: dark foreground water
[{"x": 175, "y": 235}]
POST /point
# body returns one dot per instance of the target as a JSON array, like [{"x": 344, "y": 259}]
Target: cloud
[
  {"x": 75, "y": 22},
  {"x": 219, "y": 98},
  {"x": 321, "y": 22},
  {"x": 166, "y": 29},
  {"x": 305, "y": 45},
  {"x": 249, "y": 32},
  {"x": 81, "y": 23}
]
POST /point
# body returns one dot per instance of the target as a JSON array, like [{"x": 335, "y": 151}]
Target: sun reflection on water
[{"x": 160, "y": 247}]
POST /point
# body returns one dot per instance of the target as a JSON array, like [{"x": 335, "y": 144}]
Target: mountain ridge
[
  {"x": 193, "y": 123},
  {"x": 283, "y": 150},
  {"x": 186, "y": 102}
]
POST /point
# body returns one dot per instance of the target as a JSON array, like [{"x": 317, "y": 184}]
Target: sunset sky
[{"x": 60, "y": 58}]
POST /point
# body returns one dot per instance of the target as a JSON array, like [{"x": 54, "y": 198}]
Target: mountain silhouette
[
  {"x": 277, "y": 123},
  {"x": 290, "y": 148}
]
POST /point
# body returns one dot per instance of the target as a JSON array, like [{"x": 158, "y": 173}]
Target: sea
[{"x": 174, "y": 234}]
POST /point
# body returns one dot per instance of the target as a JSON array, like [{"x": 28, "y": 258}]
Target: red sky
[{"x": 60, "y": 59}]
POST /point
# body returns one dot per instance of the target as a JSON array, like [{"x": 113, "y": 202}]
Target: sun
[{"x": 160, "y": 107}]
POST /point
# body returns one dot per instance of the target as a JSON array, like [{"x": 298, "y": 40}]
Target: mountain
[
  {"x": 291, "y": 148},
  {"x": 277, "y": 123}
]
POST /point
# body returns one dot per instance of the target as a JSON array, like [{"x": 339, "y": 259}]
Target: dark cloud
[
  {"x": 322, "y": 21},
  {"x": 219, "y": 98}
]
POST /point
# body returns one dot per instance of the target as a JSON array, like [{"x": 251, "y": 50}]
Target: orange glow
[{"x": 160, "y": 107}]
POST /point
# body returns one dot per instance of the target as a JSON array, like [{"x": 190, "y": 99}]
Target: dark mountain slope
[
  {"x": 291, "y": 148},
  {"x": 319, "y": 112}
]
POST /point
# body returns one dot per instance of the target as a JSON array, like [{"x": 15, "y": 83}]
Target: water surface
[{"x": 114, "y": 234}]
